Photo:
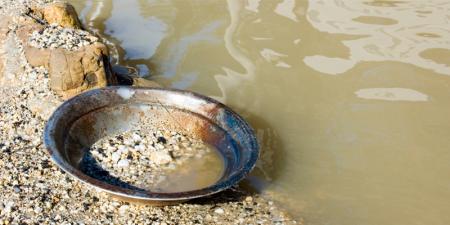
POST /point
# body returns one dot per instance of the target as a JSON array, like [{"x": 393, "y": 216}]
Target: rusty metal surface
[{"x": 82, "y": 120}]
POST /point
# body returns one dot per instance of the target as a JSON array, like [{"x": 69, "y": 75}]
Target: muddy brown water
[
  {"x": 197, "y": 173},
  {"x": 350, "y": 99}
]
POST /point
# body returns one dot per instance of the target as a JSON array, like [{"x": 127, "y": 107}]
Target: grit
[
  {"x": 35, "y": 191},
  {"x": 146, "y": 157},
  {"x": 54, "y": 36}
]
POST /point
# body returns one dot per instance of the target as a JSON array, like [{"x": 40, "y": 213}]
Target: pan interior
[{"x": 107, "y": 122}]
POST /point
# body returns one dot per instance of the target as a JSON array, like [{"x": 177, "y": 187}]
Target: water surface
[{"x": 349, "y": 99}]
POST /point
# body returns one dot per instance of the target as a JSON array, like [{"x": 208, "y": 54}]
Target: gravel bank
[
  {"x": 34, "y": 191},
  {"x": 54, "y": 36}
]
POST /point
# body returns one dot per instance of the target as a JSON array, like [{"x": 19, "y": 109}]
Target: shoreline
[{"x": 34, "y": 190}]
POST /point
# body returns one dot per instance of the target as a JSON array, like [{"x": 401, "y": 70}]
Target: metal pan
[{"x": 82, "y": 120}]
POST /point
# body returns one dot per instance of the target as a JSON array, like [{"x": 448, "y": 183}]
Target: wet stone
[{"x": 141, "y": 158}]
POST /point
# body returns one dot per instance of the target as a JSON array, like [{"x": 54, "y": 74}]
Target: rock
[
  {"x": 61, "y": 13},
  {"x": 72, "y": 69},
  {"x": 160, "y": 157},
  {"x": 129, "y": 76},
  {"x": 122, "y": 149},
  {"x": 8, "y": 206},
  {"x": 16, "y": 189},
  {"x": 219, "y": 211},
  {"x": 136, "y": 137},
  {"x": 32, "y": 53},
  {"x": 115, "y": 156},
  {"x": 72, "y": 72},
  {"x": 37, "y": 209},
  {"x": 123, "y": 163},
  {"x": 123, "y": 209},
  {"x": 141, "y": 82},
  {"x": 34, "y": 56},
  {"x": 26, "y": 28}
]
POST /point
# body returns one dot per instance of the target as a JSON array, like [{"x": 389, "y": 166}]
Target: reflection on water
[
  {"x": 124, "y": 21},
  {"x": 367, "y": 145},
  {"x": 394, "y": 31}
]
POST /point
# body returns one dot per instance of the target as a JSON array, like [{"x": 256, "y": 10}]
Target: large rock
[
  {"x": 61, "y": 13},
  {"x": 71, "y": 71}
]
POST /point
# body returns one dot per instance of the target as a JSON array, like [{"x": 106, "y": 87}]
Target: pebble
[
  {"x": 123, "y": 163},
  {"x": 115, "y": 156},
  {"x": 37, "y": 209},
  {"x": 8, "y": 206},
  {"x": 123, "y": 209},
  {"x": 160, "y": 157},
  {"x": 219, "y": 211},
  {"x": 16, "y": 189}
]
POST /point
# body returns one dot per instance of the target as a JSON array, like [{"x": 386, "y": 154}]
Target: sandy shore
[{"x": 34, "y": 191}]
